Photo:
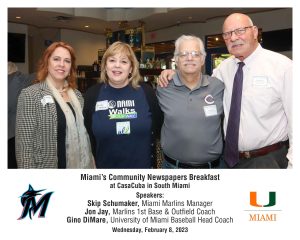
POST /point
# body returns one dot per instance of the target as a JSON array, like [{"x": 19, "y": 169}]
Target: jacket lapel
[{"x": 45, "y": 91}]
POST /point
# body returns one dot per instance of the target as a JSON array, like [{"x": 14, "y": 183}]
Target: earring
[{"x": 129, "y": 75}]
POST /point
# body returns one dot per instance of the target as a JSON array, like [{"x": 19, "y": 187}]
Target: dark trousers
[
  {"x": 11, "y": 154},
  {"x": 273, "y": 160},
  {"x": 168, "y": 165}
]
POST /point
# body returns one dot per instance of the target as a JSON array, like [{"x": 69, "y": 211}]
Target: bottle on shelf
[
  {"x": 142, "y": 65},
  {"x": 149, "y": 64},
  {"x": 163, "y": 64},
  {"x": 157, "y": 64},
  {"x": 172, "y": 64},
  {"x": 152, "y": 62},
  {"x": 96, "y": 66}
]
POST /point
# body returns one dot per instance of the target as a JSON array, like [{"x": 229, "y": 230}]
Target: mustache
[
  {"x": 189, "y": 62},
  {"x": 238, "y": 42}
]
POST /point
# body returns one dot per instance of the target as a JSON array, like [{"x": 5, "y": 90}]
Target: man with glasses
[
  {"x": 191, "y": 135},
  {"x": 264, "y": 129},
  {"x": 266, "y": 106}
]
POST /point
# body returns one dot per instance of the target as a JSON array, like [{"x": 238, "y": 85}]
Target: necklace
[{"x": 61, "y": 92}]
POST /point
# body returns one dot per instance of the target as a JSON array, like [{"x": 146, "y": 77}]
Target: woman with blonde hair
[
  {"x": 121, "y": 113},
  {"x": 50, "y": 131}
]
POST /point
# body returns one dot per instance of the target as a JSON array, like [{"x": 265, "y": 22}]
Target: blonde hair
[{"x": 122, "y": 48}]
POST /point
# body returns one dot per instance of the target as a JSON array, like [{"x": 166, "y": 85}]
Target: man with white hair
[
  {"x": 257, "y": 99},
  {"x": 191, "y": 135},
  {"x": 264, "y": 130}
]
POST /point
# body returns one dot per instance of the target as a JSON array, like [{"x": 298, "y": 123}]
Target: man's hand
[{"x": 164, "y": 77}]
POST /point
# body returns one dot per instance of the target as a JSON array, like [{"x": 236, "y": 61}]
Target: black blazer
[{"x": 90, "y": 99}]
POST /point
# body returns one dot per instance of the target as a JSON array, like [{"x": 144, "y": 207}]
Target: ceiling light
[
  {"x": 18, "y": 17},
  {"x": 86, "y": 26}
]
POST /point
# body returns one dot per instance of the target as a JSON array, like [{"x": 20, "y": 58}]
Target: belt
[
  {"x": 263, "y": 151},
  {"x": 211, "y": 164}
]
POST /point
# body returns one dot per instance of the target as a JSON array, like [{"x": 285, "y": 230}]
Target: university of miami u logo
[
  {"x": 253, "y": 200},
  {"x": 31, "y": 206}
]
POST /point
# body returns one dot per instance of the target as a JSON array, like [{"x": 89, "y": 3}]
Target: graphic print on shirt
[
  {"x": 122, "y": 121},
  {"x": 211, "y": 108},
  {"x": 121, "y": 109},
  {"x": 118, "y": 110},
  {"x": 123, "y": 128}
]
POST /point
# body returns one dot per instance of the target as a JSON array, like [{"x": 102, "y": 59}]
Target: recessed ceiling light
[
  {"x": 86, "y": 26},
  {"x": 18, "y": 17},
  {"x": 217, "y": 39}
]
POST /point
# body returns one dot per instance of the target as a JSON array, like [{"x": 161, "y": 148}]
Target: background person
[
  {"x": 191, "y": 134},
  {"x": 50, "y": 131},
  {"x": 16, "y": 82},
  {"x": 122, "y": 114}
]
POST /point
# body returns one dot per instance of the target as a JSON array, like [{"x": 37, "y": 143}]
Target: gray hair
[{"x": 189, "y": 37}]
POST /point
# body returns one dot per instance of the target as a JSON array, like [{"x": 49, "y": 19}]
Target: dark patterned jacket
[{"x": 36, "y": 128}]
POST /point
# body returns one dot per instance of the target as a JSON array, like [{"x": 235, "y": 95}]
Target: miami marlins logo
[{"x": 31, "y": 206}]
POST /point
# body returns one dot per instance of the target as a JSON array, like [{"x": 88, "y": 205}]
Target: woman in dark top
[
  {"x": 50, "y": 131},
  {"x": 122, "y": 115}
]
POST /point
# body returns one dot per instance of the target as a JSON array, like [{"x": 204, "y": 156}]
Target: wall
[
  {"x": 35, "y": 43},
  {"x": 85, "y": 44},
  {"x": 37, "y": 38},
  {"x": 21, "y": 28},
  {"x": 275, "y": 20}
]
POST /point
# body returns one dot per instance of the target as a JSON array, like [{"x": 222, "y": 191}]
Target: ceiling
[{"x": 101, "y": 19}]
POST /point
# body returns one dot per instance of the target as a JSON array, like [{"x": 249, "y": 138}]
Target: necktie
[{"x": 231, "y": 152}]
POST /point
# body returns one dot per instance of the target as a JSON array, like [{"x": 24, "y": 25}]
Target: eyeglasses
[
  {"x": 238, "y": 32},
  {"x": 185, "y": 54}
]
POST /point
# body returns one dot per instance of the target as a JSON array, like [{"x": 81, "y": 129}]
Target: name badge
[
  {"x": 260, "y": 81},
  {"x": 210, "y": 110},
  {"x": 123, "y": 128},
  {"x": 101, "y": 105},
  {"x": 47, "y": 99}
]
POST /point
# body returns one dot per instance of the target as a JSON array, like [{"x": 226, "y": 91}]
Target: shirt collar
[
  {"x": 250, "y": 58},
  {"x": 202, "y": 83}
]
